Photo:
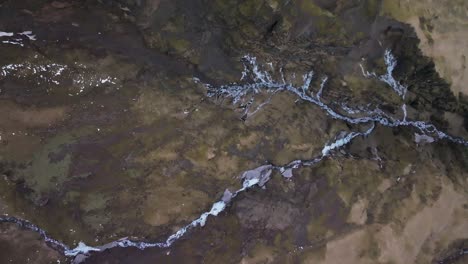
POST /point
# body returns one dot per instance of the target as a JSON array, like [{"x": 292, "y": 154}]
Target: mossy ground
[{"x": 147, "y": 158}]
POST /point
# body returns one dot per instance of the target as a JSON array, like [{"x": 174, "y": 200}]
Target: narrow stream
[{"x": 244, "y": 94}]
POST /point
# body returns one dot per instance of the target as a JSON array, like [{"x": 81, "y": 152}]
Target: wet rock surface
[{"x": 219, "y": 131}]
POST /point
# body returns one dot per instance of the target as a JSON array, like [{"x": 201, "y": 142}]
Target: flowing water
[
  {"x": 255, "y": 81},
  {"x": 137, "y": 131}
]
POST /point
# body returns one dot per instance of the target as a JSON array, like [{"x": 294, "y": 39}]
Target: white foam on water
[
  {"x": 264, "y": 82},
  {"x": 13, "y": 43},
  {"x": 390, "y": 63},
  {"x": 6, "y": 34},
  {"x": 307, "y": 78},
  {"x": 350, "y": 110},
  {"x": 17, "y": 40},
  {"x": 405, "y": 113},
  {"x": 30, "y": 226},
  {"x": 259, "y": 176},
  {"x": 82, "y": 248},
  {"x": 28, "y": 34},
  {"x": 322, "y": 84},
  {"x": 338, "y": 143}
]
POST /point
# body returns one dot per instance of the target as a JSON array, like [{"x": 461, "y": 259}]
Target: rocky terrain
[{"x": 246, "y": 131}]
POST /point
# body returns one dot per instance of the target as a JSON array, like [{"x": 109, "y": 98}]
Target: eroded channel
[{"x": 259, "y": 80}]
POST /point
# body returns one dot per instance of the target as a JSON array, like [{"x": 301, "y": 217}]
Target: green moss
[
  {"x": 273, "y": 4},
  {"x": 154, "y": 40},
  {"x": 46, "y": 172},
  {"x": 94, "y": 201},
  {"x": 249, "y": 30},
  {"x": 312, "y": 9},
  {"x": 316, "y": 229},
  {"x": 375, "y": 90},
  {"x": 96, "y": 221},
  {"x": 249, "y": 8},
  {"x": 71, "y": 197},
  {"x": 199, "y": 153},
  {"x": 134, "y": 173},
  {"x": 234, "y": 39},
  {"x": 326, "y": 24},
  {"x": 93, "y": 206},
  {"x": 286, "y": 24},
  {"x": 371, "y": 8},
  {"x": 164, "y": 43},
  {"x": 175, "y": 25},
  {"x": 350, "y": 180},
  {"x": 222, "y": 5},
  {"x": 394, "y": 9},
  {"x": 179, "y": 45},
  {"x": 359, "y": 36}
]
